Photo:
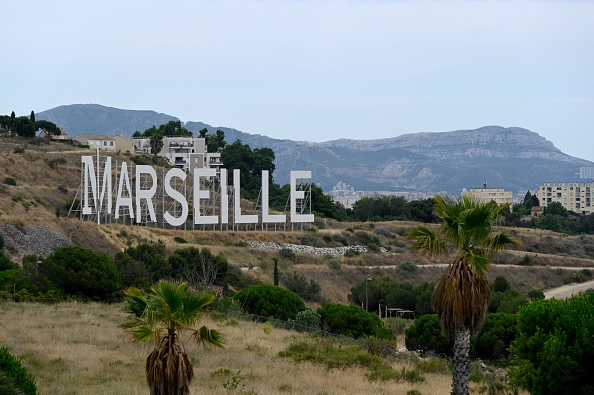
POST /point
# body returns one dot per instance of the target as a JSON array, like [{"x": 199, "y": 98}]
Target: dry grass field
[{"x": 74, "y": 348}]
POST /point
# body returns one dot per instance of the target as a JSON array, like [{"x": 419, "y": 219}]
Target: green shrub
[
  {"x": 497, "y": 333},
  {"x": 180, "y": 240},
  {"x": 340, "y": 239},
  {"x": 367, "y": 238},
  {"x": 10, "y": 181},
  {"x": 270, "y": 301},
  {"x": 298, "y": 284},
  {"x": 308, "y": 240},
  {"x": 287, "y": 253},
  {"x": 308, "y": 320},
  {"x": 407, "y": 266},
  {"x": 19, "y": 150},
  {"x": 12, "y": 369},
  {"x": 79, "y": 271},
  {"x": 338, "y": 356},
  {"x": 383, "y": 232},
  {"x": 536, "y": 294},
  {"x": 351, "y": 320},
  {"x": 425, "y": 336},
  {"x": 334, "y": 264},
  {"x": 555, "y": 346}
]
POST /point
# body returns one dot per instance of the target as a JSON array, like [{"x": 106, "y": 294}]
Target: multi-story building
[
  {"x": 574, "y": 196},
  {"x": 587, "y": 173},
  {"x": 184, "y": 152},
  {"x": 497, "y": 195}
]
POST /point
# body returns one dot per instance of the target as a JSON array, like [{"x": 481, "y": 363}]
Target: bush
[
  {"x": 308, "y": 320},
  {"x": 351, "y": 320},
  {"x": 12, "y": 369},
  {"x": 407, "y": 266},
  {"x": 340, "y": 239},
  {"x": 508, "y": 301},
  {"x": 536, "y": 294},
  {"x": 497, "y": 333},
  {"x": 10, "y": 181},
  {"x": 298, "y": 284},
  {"x": 270, "y": 301},
  {"x": 425, "y": 336},
  {"x": 555, "y": 346},
  {"x": 287, "y": 254},
  {"x": 79, "y": 271},
  {"x": 334, "y": 264},
  {"x": 368, "y": 238}
]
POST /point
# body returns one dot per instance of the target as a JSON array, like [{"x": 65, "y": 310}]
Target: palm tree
[
  {"x": 156, "y": 143},
  {"x": 168, "y": 309},
  {"x": 461, "y": 294}
]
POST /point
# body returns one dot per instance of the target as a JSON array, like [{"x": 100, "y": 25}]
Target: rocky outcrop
[{"x": 26, "y": 240}]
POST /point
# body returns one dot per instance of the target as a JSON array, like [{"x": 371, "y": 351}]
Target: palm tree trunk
[{"x": 461, "y": 362}]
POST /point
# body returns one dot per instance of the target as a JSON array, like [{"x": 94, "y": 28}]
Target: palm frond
[
  {"x": 427, "y": 241},
  {"x": 206, "y": 336},
  {"x": 145, "y": 333}
]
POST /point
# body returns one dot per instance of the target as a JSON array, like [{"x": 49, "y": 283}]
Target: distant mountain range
[{"x": 512, "y": 158}]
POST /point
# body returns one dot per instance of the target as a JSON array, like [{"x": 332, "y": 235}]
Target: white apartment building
[
  {"x": 587, "y": 173},
  {"x": 574, "y": 196},
  {"x": 184, "y": 152},
  {"x": 497, "y": 195}
]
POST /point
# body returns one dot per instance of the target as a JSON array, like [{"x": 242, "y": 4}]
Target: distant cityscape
[{"x": 574, "y": 196}]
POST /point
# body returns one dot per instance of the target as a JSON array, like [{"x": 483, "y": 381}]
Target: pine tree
[{"x": 275, "y": 272}]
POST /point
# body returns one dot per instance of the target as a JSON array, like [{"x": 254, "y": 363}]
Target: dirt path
[{"x": 568, "y": 290}]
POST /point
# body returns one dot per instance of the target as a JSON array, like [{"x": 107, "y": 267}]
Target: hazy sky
[{"x": 312, "y": 70}]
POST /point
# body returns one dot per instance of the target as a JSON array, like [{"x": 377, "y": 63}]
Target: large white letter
[
  {"x": 146, "y": 193},
  {"x": 202, "y": 194},
  {"x": 124, "y": 201},
  {"x": 240, "y": 218},
  {"x": 267, "y": 218},
  {"x": 295, "y": 194},
  {"x": 175, "y": 195},
  {"x": 224, "y": 198},
  {"x": 89, "y": 175}
]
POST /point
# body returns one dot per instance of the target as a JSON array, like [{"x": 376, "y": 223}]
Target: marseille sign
[{"x": 138, "y": 194}]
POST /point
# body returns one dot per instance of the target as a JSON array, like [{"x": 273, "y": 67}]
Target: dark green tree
[
  {"x": 555, "y": 346},
  {"x": 23, "y": 127},
  {"x": 270, "y": 301},
  {"x": 48, "y": 127},
  {"x": 199, "y": 267},
  {"x": 276, "y": 276},
  {"x": 32, "y": 117},
  {"x": 79, "y": 271},
  {"x": 425, "y": 335},
  {"x": 297, "y": 283},
  {"x": 351, "y": 320}
]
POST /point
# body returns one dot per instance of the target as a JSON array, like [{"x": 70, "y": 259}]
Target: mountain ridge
[{"x": 513, "y": 158}]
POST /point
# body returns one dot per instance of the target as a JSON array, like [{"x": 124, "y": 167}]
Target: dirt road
[{"x": 568, "y": 290}]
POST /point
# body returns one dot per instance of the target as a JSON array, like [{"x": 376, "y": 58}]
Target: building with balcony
[
  {"x": 186, "y": 153},
  {"x": 574, "y": 196}
]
